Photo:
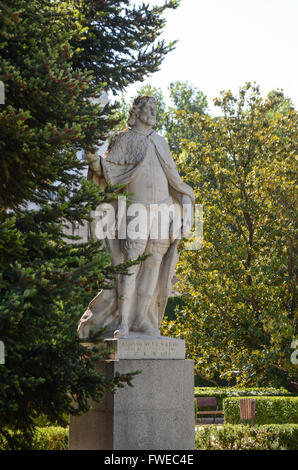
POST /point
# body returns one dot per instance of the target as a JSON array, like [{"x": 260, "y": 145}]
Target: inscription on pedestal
[{"x": 137, "y": 348}]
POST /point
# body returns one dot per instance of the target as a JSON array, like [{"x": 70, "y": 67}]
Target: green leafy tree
[
  {"x": 187, "y": 98},
  {"x": 239, "y": 316},
  {"x": 45, "y": 282}
]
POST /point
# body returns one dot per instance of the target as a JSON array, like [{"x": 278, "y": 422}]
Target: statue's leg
[
  {"x": 127, "y": 287},
  {"x": 146, "y": 288}
]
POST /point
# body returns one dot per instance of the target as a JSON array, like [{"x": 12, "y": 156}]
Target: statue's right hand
[
  {"x": 94, "y": 162},
  {"x": 90, "y": 156}
]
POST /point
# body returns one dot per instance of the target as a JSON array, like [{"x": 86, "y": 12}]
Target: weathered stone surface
[
  {"x": 147, "y": 347},
  {"x": 159, "y": 213},
  {"x": 157, "y": 413}
]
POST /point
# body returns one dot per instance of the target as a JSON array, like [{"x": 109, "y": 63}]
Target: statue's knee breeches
[
  {"x": 157, "y": 248},
  {"x": 133, "y": 249}
]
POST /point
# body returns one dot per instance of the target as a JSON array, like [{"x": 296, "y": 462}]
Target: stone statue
[{"x": 140, "y": 159}]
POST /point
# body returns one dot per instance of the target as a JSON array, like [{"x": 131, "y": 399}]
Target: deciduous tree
[{"x": 239, "y": 316}]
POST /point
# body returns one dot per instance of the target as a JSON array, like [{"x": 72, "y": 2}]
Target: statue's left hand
[{"x": 188, "y": 217}]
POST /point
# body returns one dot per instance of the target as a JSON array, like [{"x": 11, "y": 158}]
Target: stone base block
[
  {"x": 146, "y": 347},
  {"x": 157, "y": 413}
]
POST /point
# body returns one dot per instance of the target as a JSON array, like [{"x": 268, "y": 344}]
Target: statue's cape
[
  {"x": 120, "y": 164},
  {"x": 123, "y": 160}
]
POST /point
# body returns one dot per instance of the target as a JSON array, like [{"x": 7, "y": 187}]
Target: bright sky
[{"x": 224, "y": 43}]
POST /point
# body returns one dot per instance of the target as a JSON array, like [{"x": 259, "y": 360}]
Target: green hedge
[
  {"x": 269, "y": 410},
  {"x": 241, "y": 437},
  {"x": 51, "y": 438},
  {"x": 221, "y": 392},
  {"x": 46, "y": 438}
]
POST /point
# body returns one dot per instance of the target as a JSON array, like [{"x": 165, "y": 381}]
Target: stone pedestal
[
  {"x": 157, "y": 413},
  {"x": 146, "y": 347}
]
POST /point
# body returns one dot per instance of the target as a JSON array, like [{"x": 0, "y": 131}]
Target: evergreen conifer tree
[{"x": 46, "y": 281}]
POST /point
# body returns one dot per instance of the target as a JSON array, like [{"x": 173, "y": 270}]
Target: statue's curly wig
[{"x": 137, "y": 104}]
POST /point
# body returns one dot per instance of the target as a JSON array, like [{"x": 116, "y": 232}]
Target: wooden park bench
[{"x": 208, "y": 402}]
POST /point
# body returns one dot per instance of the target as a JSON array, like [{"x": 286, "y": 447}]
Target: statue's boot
[
  {"x": 125, "y": 299},
  {"x": 124, "y": 311},
  {"x": 149, "y": 330},
  {"x": 122, "y": 331},
  {"x": 142, "y": 324}
]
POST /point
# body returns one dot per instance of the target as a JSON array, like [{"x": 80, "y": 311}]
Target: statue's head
[{"x": 144, "y": 108}]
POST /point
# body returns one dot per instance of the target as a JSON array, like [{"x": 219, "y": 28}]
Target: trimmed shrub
[
  {"x": 241, "y": 437},
  {"x": 269, "y": 410},
  {"x": 51, "y": 438},
  {"x": 46, "y": 438},
  {"x": 224, "y": 392}
]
